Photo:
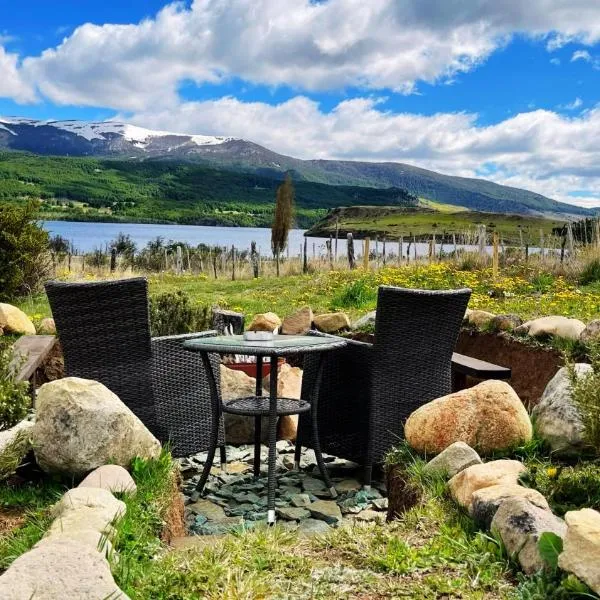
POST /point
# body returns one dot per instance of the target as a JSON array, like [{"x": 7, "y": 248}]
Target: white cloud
[
  {"x": 555, "y": 61},
  {"x": 577, "y": 103},
  {"x": 12, "y": 84},
  {"x": 585, "y": 56},
  {"x": 308, "y": 45},
  {"x": 539, "y": 150}
]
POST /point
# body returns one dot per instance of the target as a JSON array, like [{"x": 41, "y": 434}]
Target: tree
[
  {"x": 124, "y": 246},
  {"x": 283, "y": 219},
  {"x": 24, "y": 257}
]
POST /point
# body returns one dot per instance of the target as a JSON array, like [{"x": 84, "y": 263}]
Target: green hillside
[{"x": 181, "y": 192}]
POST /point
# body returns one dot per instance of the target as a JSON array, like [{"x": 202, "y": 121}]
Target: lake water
[{"x": 86, "y": 237}]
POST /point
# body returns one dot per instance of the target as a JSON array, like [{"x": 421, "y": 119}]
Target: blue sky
[{"x": 505, "y": 89}]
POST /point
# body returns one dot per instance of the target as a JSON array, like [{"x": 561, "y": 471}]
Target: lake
[{"x": 86, "y": 237}]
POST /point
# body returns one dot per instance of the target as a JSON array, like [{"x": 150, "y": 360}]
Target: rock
[
  {"x": 300, "y": 500},
  {"x": 497, "y": 472},
  {"x": 113, "y": 478},
  {"x": 15, "y": 443},
  {"x": 209, "y": 509},
  {"x": 289, "y": 385},
  {"x": 298, "y": 323},
  {"x": 293, "y": 513},
  {"x": 489, "y": 416},
  {"x": 347, "y": 485},
  {"x": 227, "y": 321},
  {"x": 485, "y": 501},
  {"x": 480, "y": 318},
  {"x": 519, "y": 524},
  {"x": 453, "y": 459},
  {"x": 197, "y": 542},
  {"x": 81, "y": 425},
  {"x": 89, "y": 497},
  {"x": 47, "y": 327},
  {"x": 506, "y": 322},
  {"x": 380, "y": 503},
  {"x": 85, "y": 518},
  {"x": 60, "y": 569},
  {"x": 312, "y": 485},
  {"x": 467, "y": 314},
  {"x": 239, "y": 429},
  {"x": 310, "y": 527},
  {"x": 265, "y": 322},
  {"x": 591, "y": 334},
  {"x": 326, "y": 510},
  {"x": 90, "y": 537},
  {"x": 556, "y": 418},
  {"x": 581, "y": 550},
  {"x": 369, "y": 516},
  {"x": 365, "y": 321},
  {"x": 14, "y": 320},
  {"x": 332, "y": 322},
  {"x": 558, "y": 326},
  {"x": 221, "y": 526}
]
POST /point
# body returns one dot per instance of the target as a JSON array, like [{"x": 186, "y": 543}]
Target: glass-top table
[{"x": 259, "y": 405}]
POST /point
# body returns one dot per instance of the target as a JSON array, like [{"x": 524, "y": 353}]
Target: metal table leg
[
  {"x": 258, "y": 419},
  {"x": 216, "y": 420},
  {"x": 271, "y": 481}
]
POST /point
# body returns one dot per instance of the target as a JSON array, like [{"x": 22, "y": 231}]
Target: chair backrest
[
  {"x": 415, "y": 335},
  {"x": 104, "y": 332}
]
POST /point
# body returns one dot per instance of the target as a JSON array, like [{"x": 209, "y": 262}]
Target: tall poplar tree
[{"x": 283, "y": 218}]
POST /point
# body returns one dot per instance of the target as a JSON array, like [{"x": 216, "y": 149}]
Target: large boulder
[
  {"x": 485, "y": 501},
  {"x": 591, "y": 334},
  {"x": 265, "y": 322},
  {"x": 453, "y": 460},
  {"x": 487, "y": 417},
  {"x": 332, "y": 322},
  {"x": 47, "y": 327},
  {"x": 557, "y": 326},
  {"x": 289, "y": 385},
  {"x": 15, "y": 443},
  {"x": 298, "y": 323},
  {"x": 14, "y": 320},
  {"x": 556, "y": 417},
  {"x": 508, "y": 322},
  {"x": 366, "y": 321},
  {"x": 468, "y": 481},
  {"x": 81, "y": 425},
  {"x": 519, "y": 523},
  {"x": 237, "y": 384},
  {"x": 59, "y": 569},
  {"x": 581, "y": 550},
  {"x": 89, "y": 497}
]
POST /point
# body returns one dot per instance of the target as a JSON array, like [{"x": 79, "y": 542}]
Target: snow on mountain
[{"x": 103, "y": 130}]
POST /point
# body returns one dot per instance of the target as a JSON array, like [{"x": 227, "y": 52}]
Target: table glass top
[{"x": 280, "y": 344}]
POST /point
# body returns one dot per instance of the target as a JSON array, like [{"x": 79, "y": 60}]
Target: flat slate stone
[
  {"x": 310, "y": 527},
  {"x": 300, "y": 500},
  {"x": 326, "y": 510},
  {"x": 210, "y": 510},
  {"x": 293, "y": 514}
]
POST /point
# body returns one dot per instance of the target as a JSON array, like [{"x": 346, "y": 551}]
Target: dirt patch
[
  {"x": 532, "y": 367},
  {"x": 174, "y": 518},
  {"x": 10, "y": 518}
]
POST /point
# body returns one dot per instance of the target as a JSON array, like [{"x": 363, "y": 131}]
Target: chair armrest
[
  {"x": 349, "y": 342},
  {"x": 480, "y": 369},
  {"x": 184, "y": 336}
]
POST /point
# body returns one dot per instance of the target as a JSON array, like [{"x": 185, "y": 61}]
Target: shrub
[
  {"x": 357, "y": 294},
  {"x": 24, "y": 257},
  {"x": 14, "y": 395},
  {"x": 172, "y": 313},
  {"x": 566, "y": 488},
  {"x": 590, "y": 272},
  {"x": 585, "y": 392}
]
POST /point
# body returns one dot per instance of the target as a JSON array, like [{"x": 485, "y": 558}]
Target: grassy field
[
  {"x": 443, "y": 220},
  {"x": 528, "y": 290}
]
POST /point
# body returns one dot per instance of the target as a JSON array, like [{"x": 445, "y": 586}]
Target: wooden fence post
[
  {"x": 495, "y": 257},
  {"x": 350, "y": 250},
  {"x": 232, "y": 263},
  {"x": 366, "y": 254},
  {"x": 305, "y": 257},
  {"x": 113, "y": 260}
]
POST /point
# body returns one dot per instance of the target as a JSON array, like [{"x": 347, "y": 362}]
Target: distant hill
[{"x": 136, "y": 144}]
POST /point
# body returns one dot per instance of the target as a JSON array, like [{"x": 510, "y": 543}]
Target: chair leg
[
  {"x": 223, "y": 450},
  {"x": 298, "y": 450},
  {"x": 368, "y": 475},
  {"x": 257, "y": 440}
]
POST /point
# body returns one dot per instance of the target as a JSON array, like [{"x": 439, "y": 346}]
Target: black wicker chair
[
  {"x": 104, "y": 332},
  {"x": 369, "y": 390}
]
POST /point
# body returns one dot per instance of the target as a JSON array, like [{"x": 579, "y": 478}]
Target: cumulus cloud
[
  {"x": 379, "y": 44},
  {"x": 538, "y": 150},
  {"x": 12, "y": 83}
]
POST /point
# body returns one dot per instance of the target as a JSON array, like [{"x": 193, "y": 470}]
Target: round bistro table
[{"x": 260, "y": 405}]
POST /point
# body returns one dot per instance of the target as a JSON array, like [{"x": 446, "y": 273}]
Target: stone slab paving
[{"x": 233, "y": 499}]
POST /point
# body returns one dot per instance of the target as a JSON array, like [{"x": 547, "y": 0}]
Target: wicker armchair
[
  {"x": 104, "y": 331},
  {"x": 369, "y": 390}
]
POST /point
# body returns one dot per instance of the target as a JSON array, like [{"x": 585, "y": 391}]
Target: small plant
[
  {"x": 585, "y": 392},
  {"x": 357, "y": 294},
  {"x": 14, "y": 395},
  {"x": 542, "y": 282},
  {"x": 590, "y": 272},
  {"x": 172, "y": 313}
]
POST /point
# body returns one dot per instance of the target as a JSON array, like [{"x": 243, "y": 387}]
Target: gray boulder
[
  {"x": 453, "y": 460},
  {"x": 59, "y": 569},
  {"x": 14, "y": 445},
  {"x": 367, "y": 320},
  {"x": 519, "y": 523},
  {"x": 556, "y": 418},
  {"x": 81, "y": 425},
  {"x": 591, "y": 334}
]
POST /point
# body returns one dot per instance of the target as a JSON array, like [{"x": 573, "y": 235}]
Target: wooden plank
[
  {"x": 479, "y": 369},
  {"x": 35, "y": 349}
]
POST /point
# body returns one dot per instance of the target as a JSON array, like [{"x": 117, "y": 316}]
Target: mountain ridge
[{"x": 111, "y": 139}]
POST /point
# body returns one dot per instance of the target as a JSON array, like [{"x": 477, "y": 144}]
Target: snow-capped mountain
[{"x": 108, "y": 138}]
